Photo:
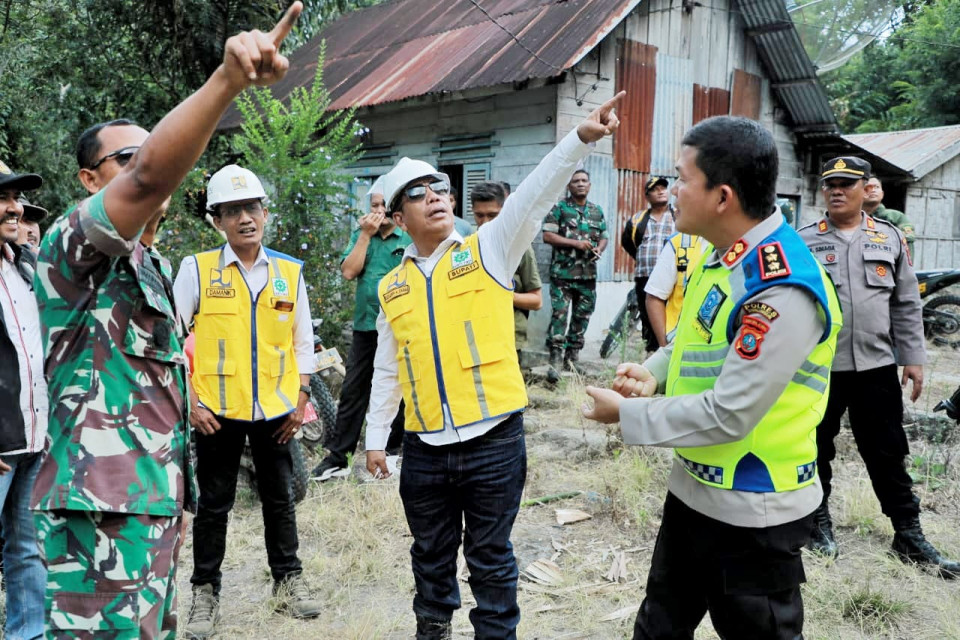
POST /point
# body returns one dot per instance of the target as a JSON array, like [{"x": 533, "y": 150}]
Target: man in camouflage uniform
[
  {"x": 111, "y": 492},
  {"x": 577, "y": 231},
  {"x": 872, "y": 206}
]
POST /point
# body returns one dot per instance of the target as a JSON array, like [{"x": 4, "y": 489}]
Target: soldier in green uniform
[
  {"x": 110, "y": 494},
  {"x": 577, "y": 231},
  {"x": 873, "y": 206}
]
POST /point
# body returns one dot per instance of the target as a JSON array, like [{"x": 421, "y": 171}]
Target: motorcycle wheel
[
  {"x": 943, "y": 324},
  {"x": 299, "y": 477},
  {"x": 621, "y": 327},
  {"x": 326, "y": 406}
]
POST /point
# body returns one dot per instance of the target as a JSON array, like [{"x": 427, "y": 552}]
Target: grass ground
[{"x": 354, "y": 543}]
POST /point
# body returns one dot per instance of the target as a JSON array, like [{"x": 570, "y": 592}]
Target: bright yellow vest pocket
[
  {"x": 275, "y": 327},
  {"x": 471, "y": 356}
]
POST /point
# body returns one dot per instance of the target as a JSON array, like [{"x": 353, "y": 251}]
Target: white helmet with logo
[
  {"x": 233, "y": 184},
  {"x": 405, "y": 172}
]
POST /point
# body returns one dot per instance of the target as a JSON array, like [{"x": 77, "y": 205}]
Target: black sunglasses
[
  {"x": 122, "y": 156},
  {"x": 418, "y": 191}
]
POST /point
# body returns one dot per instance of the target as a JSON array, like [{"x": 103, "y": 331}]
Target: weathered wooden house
[
  {"x": 926, "y": 186},
  {"x": 484, "y": 88}
]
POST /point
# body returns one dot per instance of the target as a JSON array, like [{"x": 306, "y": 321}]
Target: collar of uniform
[
  {"x": 410, "y": 253},
  {"x": 749, "y": 241},
  {"x": 229, "y": 256}
]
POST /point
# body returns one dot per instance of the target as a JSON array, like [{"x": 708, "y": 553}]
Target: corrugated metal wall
[
  {"x": 603, "y": 192},
  {"x": 672, "y": 112},
  {"x": 709, "y": 102},
  {"x": 745, "y": 97},
  {"x": 636, "y": 74},
  {"x": 630, "y": 199}
]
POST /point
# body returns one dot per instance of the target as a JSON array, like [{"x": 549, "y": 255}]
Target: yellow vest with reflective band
[
  {"x": 455, "y": 340},
  {"x": 244, "y": 341},
  {"x": 780, "y": 453},
  {"x": 687, "y": 250}
]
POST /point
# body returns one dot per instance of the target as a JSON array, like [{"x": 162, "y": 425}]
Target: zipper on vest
[{"x": 436, "y": 351}]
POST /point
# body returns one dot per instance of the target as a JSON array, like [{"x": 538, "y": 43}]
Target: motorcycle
[
  {"x": 624, "y": 324},
  {"x": 941, "y": 314}
]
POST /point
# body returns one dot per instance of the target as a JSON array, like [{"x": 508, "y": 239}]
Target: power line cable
[{"x": 512, "y": 35}]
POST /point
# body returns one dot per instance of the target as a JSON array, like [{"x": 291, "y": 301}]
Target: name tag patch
[
  {"x": 464, "y": 270},
  {"x": 218, "y": 292},
  {"x": 396, "y": 292}
]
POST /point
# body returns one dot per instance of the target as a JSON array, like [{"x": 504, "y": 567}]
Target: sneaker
[
  {"x": 204, "y": 613},
  {"x": 292, "y": 596},
  {"x": 329, "y": 469}
]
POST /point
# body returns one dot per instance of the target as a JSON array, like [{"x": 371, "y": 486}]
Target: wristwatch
[{"x": 306, "y": 389}]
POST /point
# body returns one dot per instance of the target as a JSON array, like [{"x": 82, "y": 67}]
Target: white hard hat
[
  {"x": 405, "y": 172},
  {"x": 232, "y": 184}
]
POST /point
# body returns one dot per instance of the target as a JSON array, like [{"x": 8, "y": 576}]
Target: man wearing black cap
[
  {"x": 22, "y": 432},
  {"x": 643, "y": 238},
  {"x": 868, "y": 261},
  {"x": 30, "y": 233}
]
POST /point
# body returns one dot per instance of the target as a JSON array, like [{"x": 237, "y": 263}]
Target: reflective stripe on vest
[
  {"x": 244, "y": 341},
  {"x": 780, "y": 453},
  {"x": 456, "y": 351}
]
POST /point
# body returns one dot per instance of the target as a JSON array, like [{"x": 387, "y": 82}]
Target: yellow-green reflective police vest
[{"x": 780, "y": 453}]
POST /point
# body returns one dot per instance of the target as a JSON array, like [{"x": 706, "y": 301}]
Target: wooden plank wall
[{"x": 933, "y": 205}]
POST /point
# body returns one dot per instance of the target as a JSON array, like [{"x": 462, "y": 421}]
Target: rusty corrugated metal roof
[
  {"x": 916, "y": 151},
  {"x": 407, "y": 48}
]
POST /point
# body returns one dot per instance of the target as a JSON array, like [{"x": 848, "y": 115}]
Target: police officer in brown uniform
[{"x": 868, "y": 261}]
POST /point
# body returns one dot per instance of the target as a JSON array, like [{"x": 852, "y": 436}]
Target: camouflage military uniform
[
  {"x": 118, "y": 472},
  {"x": 900, "y": 220},
  {"x": 573, "y": 274}
]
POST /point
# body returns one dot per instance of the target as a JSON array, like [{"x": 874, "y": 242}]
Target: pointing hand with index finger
[
  {"x": 253, "y": 57},
  {"x": 603, "y": 121}
]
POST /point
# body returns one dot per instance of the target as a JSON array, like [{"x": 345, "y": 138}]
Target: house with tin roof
[{"x": 483, "y": 89}]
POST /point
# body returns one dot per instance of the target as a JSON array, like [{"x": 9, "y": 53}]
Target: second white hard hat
[{"x": 233, "y": 184}]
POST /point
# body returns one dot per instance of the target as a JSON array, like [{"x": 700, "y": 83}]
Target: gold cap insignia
[{"x": 840, "y": 164}]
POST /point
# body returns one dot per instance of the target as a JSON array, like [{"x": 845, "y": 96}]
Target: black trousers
[
  {"x": 748, "y": 579},
  {"x": 354, "y": 400},
  {"x": 218, "y": 462},
  {"x": 649, "y": 337},
  {"x": 874, "y": 400}
]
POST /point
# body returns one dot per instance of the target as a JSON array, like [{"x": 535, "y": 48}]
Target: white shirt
[
  {"x": 186, "y": 293},
  {"x": 663, "y": 278},
  {"x": 503, "y": 241},
  {"x": 22, "y": 320}
]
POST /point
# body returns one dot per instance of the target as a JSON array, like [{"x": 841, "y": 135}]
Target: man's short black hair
[
  {"x": 488, "y": 192},
  {"x": 507, "y": 189},
  {"x": 741, "y": 154},
  {"x": 88, "y": 146},
  {"x": 583, "y": 171}
]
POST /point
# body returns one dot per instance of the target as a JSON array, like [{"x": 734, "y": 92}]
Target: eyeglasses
[
  {"x": 419, "y": 191},
  {"x": 254, "y": 208},
  {"x": 122, "y": 156},
  {"x": 839, "y": 184}
]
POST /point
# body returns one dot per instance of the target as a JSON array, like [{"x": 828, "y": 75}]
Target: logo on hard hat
[
  {"x": 238, "y": 182},
  {"x": 840, "y": 164}
]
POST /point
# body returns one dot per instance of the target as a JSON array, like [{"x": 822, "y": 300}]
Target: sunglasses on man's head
[
  {"x": 122, "y": 156},
  {"x": 418, "y": 191}
]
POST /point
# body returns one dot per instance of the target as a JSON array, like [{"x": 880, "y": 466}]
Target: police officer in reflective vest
[
  {"x": 446, "y": 344},
  {"x": 249, "y": 311},
  {"x": 746, "y": 383},
  {"x": 868, "y": 260}
]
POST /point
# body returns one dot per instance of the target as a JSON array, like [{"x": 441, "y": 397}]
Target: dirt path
[{"x": 354, "y": 543}]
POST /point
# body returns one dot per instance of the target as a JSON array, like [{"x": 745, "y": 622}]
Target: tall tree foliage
[{"x": 910, "y": 78}]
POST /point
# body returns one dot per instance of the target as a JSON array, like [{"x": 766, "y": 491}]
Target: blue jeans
[
  {"x": 24, "y": 570},
  {"x": 472, "y": 487}
]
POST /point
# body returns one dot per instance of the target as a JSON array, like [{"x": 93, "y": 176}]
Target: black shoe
[
  {"x": 328, "y": 469},
  {"x": 910, "y": 545},
  {"x": 821, "y": 538},
  {"x": 556, "y": 357},
  {"x": 430, "y": 629}
]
